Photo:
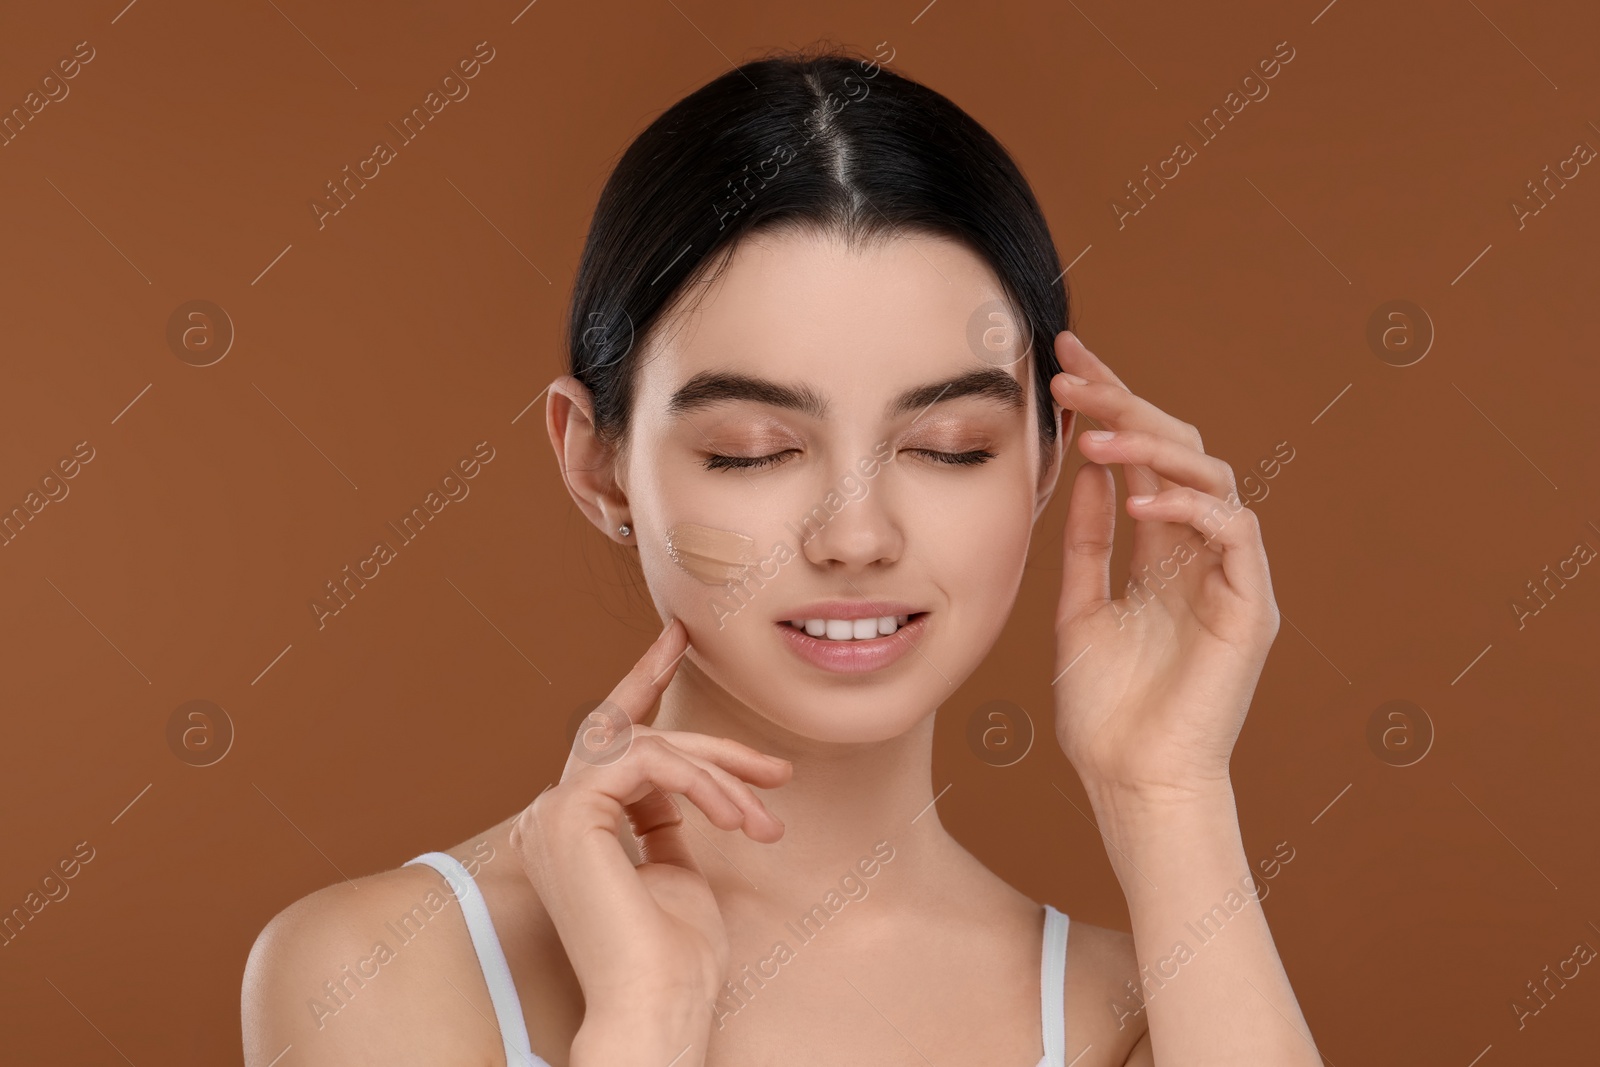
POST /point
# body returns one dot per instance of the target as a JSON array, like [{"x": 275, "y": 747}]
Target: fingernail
[
  {"x": 1102, "y": 435},
  {"x": 1142, "y": 499},
  {"x": 1074, "y": 379}
]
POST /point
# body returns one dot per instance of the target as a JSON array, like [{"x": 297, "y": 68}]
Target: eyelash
[{"x": 960, "y": 459}]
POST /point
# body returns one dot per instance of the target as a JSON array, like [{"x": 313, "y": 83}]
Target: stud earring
[{"x": 624, "y": 529}]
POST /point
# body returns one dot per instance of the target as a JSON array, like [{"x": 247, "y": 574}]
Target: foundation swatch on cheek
[{"x": 712, "y": 555}]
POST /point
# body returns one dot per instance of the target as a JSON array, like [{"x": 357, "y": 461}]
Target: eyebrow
[{"x": 715, "y": 387}]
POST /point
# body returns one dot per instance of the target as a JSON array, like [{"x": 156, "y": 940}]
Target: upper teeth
[{"x": 850, "y": 629}]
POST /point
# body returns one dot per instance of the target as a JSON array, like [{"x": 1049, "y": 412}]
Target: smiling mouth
[{"x": 844, "y": 631}]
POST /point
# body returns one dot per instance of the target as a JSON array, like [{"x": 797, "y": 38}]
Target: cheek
[
  {"x": 709, "y": 554},
  {"x": 689, "y": 567},
  {"x": 974, "y": 543}
]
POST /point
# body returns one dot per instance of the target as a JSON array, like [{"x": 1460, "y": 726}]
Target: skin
[{"x": 749, "y": 781}]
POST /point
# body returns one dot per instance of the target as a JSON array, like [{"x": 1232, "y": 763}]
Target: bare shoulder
[
  {"x": 1103, "y": 1007},
  {"x": 378, "y": 969}
]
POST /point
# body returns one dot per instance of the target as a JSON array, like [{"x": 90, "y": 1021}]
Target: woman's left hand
[{"x": 1151, "y": 689}]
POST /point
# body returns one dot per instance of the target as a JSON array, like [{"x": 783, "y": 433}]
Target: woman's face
[{"x": 826, "y": 375}]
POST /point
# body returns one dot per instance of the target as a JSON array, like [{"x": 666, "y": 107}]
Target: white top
[{"x": 514, "y": 1030}]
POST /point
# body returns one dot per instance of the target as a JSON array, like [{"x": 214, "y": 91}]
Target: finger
[
  {"x": 1176, "y": 461},
  {"x": 653, "y": 763},
  {"x": 630, "y": 702},
  {"x": 1150, "y": 536},
  {"x": 733, "y": 764},
  {"x": 657, "y": 820},
  {"x": 581, "y": 819},
  {"x": 760, "y": 824},
  {"x": 1114, "y": 408},
  {"x": 642, "y": 686},
  {"x": 1084, "y": 362},
  {"x": 1106, "y": 399},
  {"x": 1086, "y": 543},
  {"x": 730, "y": 762},
  {"x": 755, "y": 766},
  {"x": 657, "y": 824},
  {"x": 1233, "y": 531}
]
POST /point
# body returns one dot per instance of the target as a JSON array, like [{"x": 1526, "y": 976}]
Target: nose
[{"x": 852, "y": 524}]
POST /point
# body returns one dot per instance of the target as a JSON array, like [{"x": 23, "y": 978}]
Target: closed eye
[
  {"x": 716, "y": 461},
  {"x": 719, "y": 462},
  {"x": 977, "y": 455}
]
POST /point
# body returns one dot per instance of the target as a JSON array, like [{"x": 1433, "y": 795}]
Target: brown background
[{"x": 425, "y": 317}]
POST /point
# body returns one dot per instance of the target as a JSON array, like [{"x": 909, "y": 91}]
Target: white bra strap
[
  {"x": 1052, "y": 987},
  {"x": 491, "y": 957}
]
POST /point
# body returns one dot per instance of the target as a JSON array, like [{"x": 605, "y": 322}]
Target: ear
[
  {"x": 1052, "y": 471},
  {"x": 587, "y": 463}
]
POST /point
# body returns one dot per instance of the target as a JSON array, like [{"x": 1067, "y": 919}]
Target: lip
[{"x": 855, "y": 657}]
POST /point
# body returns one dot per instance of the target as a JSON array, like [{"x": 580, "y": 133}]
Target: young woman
[{"x": 818, "y": 366}]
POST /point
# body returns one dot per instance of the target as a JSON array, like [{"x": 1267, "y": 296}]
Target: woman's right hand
[{"x": 647, "y": 942}]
